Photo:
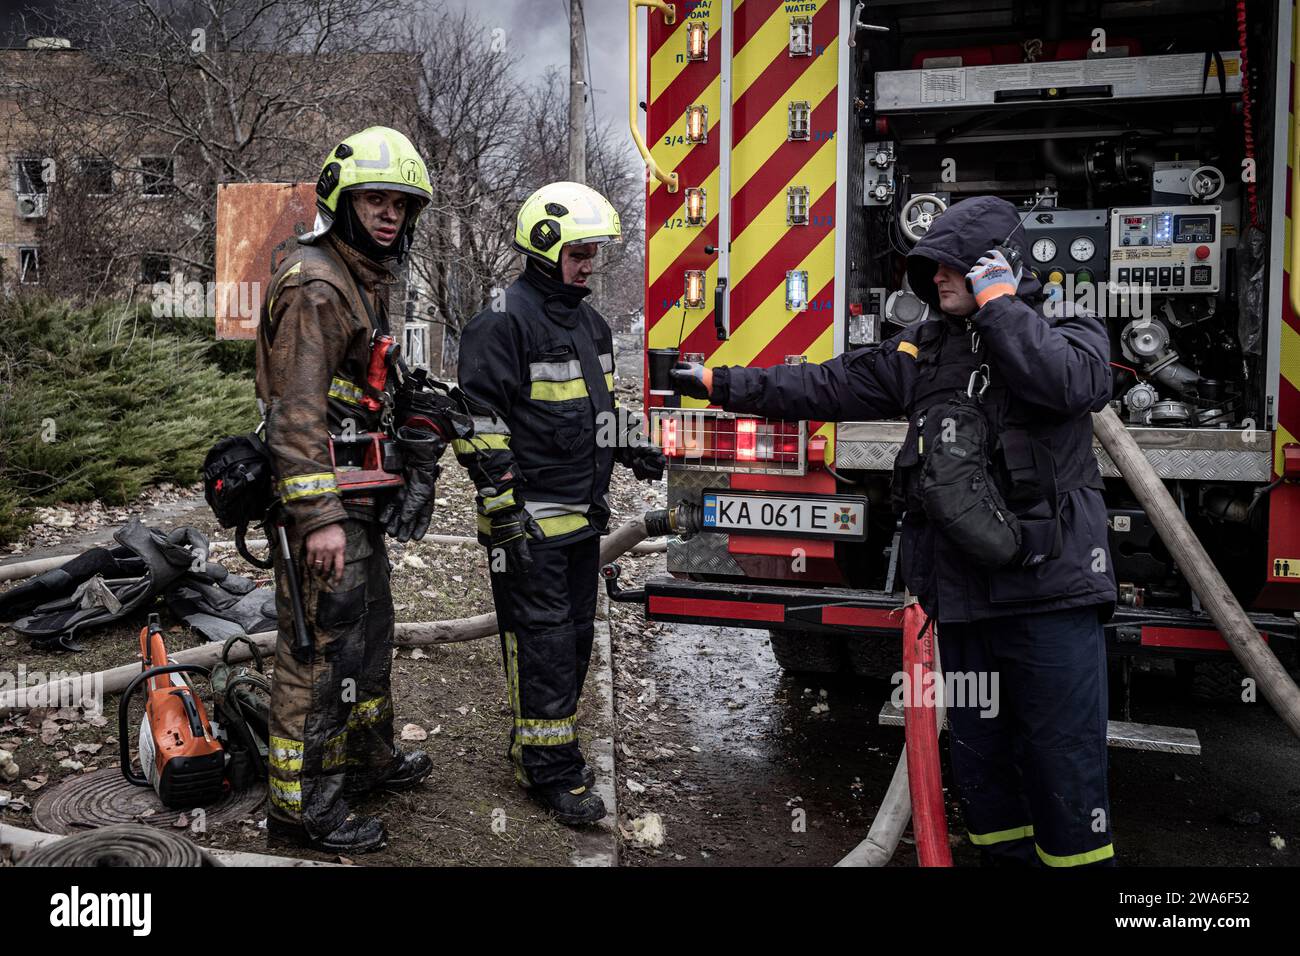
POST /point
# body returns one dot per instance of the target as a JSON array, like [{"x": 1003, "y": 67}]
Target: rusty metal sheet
[{"x": 256, "y": 222}]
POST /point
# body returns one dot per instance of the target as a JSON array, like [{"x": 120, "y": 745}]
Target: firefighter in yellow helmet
[
  {"x": 547, "y": 431},
  {"x": 323, "y": 319}
]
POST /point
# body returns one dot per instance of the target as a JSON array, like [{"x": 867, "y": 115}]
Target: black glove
[
  {"x": 691, "y": 379},
  {"x": 406, "y": 517},
  {"x": 510, "y": 533},
  {"x": 647, "y": 462}
]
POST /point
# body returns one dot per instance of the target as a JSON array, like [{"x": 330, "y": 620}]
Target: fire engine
[{"x": 796, "y": 149}]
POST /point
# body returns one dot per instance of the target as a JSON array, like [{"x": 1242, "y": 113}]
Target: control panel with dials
[
  {"x": 1170, "y": 249},
  {"x": 1067, "y": 244}
]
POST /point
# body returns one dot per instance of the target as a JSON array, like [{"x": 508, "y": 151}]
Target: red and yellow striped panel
[
  {"x": 673, "y": 85},
  {"x": 1284, "y": 503},
  {"x": 765, "y": 79}
]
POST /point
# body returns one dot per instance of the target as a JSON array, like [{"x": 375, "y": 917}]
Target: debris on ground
[{"x": 647, "y": 830}]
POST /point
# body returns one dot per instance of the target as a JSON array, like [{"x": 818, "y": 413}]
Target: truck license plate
[{"x": 806, "y": 516}]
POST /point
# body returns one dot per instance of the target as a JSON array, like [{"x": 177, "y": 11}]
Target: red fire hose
[{"x": 920, "y": 723}]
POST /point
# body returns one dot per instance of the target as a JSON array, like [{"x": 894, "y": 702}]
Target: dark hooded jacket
[{"x": 1048, "y": 370}]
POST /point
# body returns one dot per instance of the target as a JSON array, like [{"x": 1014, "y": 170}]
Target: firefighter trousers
[
  {"x": 547, "y": 623},
  {"x": 1027, "y": 735},
  {"x": 331, "y": 715}
]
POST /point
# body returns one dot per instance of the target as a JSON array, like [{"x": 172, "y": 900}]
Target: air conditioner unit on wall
[{"x": 32, "y": 205}]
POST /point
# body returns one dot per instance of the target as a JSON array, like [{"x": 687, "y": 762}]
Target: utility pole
[{"x": 577, "y": 94}]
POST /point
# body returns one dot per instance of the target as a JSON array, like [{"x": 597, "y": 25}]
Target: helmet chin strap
[
  {"x": 349, "y": 229},
  {"x": 552, "y": 272}
]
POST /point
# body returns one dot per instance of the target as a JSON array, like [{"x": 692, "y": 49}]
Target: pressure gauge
[
  {"x": 1082, "y": 249},
  {"x": 1044, "y": 250}
]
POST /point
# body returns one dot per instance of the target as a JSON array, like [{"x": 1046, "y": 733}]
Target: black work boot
[
  {"x": 407, "y": 772},
  {"x": 356, "y": 834},
  {"x": 572, "y": 807},
  {"x": 588, "y": 777}
]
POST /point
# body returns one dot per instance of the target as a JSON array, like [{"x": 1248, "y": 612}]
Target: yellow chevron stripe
[
  {"x": 663, "y": 334},
  {"x": 749, "y": 62},
  {"x": 664, "y": 65},
  {"x": 671, "y": 155},
  {"x": 667, "y": 244},
  {"x": 769, "y": 227},
  {"x": 755, "y": 150},
  {"x": 1289, "y": 362},
  {"x": 757, "y": 331}
]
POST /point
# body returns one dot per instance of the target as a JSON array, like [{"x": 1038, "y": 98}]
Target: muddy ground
[{"x": 454, "y": 694}]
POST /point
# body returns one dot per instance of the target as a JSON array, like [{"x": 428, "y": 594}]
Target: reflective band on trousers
[
  {"x": 336, "y": 752},
  {"x": 468, "y": 446},
  {"x": 346, "y": 391},
  {"x": 545, "y": 732},
  {"x": 1076, "y": 859},
  {"x": 512, "y": 687},
  {"x": 1000, "y": 836},
  {"x": 308, "y": 486},
  {"x": 558, "y": 391},
  {"x": 551, "y": 527},
  {"x": 285, "y": 794},
  {"x": 368, "y": 712},
  {"x": 286, "y": 754}
]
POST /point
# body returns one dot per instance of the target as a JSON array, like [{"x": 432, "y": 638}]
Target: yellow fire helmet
[
  {"x": 375, "y": 158},
  {"x": 562, "y": 213}
]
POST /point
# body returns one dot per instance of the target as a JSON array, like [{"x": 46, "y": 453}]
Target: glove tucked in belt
[{"x": 407, "y": 516}]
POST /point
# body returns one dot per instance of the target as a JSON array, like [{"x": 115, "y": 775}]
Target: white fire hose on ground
[{"x": 71, "y": 690}]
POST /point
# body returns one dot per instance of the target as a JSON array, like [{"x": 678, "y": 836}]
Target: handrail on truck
[{"x": 670, "y": 16}]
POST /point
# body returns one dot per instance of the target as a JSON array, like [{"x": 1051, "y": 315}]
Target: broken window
[
  {"x": 29, "y": 265},
  {"x": 32, "y": 179}
]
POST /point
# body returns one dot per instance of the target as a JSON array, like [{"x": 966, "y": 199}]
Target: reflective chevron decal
[{"x": 763, "y": 165}]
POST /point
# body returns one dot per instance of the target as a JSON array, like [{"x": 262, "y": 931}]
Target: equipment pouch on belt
[{"x": 957, "y": 492}]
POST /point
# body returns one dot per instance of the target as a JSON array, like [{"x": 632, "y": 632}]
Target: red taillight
[
  {"x": 746, "y": 439},
  {"x": 787, "y": 442},
  {"x": 668, "y": 437},
  {"x": 724, "y": 438}
]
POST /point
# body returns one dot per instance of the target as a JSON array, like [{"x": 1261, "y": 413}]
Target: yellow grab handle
[
  {"x": 670, "y": 16},
  {"x": 1295, "y": 166}
]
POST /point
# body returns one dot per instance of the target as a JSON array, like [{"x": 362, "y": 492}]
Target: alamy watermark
[
  {"x": 26, "y": 689},
  {"x": 977, "y": 690}
]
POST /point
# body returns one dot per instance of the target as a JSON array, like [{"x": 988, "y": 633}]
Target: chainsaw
[{"x": 188, "y": 759}]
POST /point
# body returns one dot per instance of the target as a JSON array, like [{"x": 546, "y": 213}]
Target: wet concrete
[
  {"x": 772, "y": 781},
  {"x": 763, "y": 755}
]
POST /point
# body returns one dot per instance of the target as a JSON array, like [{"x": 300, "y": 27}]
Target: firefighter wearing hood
[
  {"x": 547, "y": 432},
  {"x": 1028, "y": 604},
  {"x": 326, "y": 308}
]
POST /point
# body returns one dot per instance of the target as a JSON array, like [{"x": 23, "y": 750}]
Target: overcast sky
[{"x": 538, "y": 33}]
